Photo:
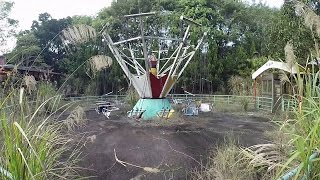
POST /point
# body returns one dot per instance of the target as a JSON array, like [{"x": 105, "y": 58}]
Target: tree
[
  {"x": 7, "y": 25},
  {"x": 237, "y": 33},
  {"x": 290, "y": 27},
  {"x": 27, "y": 51},
  {"x": 47, "y": 31}
]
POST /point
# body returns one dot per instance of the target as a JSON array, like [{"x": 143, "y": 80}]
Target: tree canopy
[
  {"x": 7, "y": 25},
  {"x": 241, "y": 37}
]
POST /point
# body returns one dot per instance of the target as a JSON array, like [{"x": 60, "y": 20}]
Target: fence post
[
  {"x": 282, "y": 104},
  {"x": 271, "y": 108}
]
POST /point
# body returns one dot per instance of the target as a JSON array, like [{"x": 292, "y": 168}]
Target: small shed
[{"x": 269, "y": 83}]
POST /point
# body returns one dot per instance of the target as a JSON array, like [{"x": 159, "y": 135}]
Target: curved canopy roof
[{"x": 274, "y": 65}]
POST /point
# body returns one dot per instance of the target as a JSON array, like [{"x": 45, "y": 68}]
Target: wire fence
[{"x": 253, "y": 102}]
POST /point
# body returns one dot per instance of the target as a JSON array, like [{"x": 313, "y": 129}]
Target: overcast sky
[
  {"x": 25, "y": 11},
  {"x": 28, "y": 10}
]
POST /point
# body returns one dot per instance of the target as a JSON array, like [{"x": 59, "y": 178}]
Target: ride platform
[{"x": 149, "y": 109}]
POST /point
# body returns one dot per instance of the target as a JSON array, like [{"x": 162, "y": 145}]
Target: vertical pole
[
  {"x": 145, "y": 54},
  {"x": 159, "y": 57},
  {"x": 282, "y": 104},
  {"x": 174, "y": 65},
  {"x": 134, "y": 60},
  {"x": 273, "y": 93},
  {"x": 201, "y": 86},
  {"x": 282, "y": 97},
  {"x": 255, "y": 92}
]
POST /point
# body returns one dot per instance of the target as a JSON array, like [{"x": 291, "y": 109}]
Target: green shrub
[
  {"x": 47, "y": 92},
  {"x": 241, "y": 87},
  {"x": 132, "y": 97}
]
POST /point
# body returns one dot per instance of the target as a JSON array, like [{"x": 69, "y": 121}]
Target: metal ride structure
[{"x": 153, "y": 72}]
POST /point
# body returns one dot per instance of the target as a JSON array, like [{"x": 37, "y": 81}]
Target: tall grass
[
  {"x": 241, "y": 87},
  {"x": 229, "y": 161},
  {"x": 304, "y": 127},
  {"x": 34, "y": 145}
]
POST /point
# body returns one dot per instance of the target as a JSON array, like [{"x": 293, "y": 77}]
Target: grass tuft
[
  {"x": 226, "y": 162},
  {"x": 76, "y": 118},
  {"x": 33, "y": 144}
]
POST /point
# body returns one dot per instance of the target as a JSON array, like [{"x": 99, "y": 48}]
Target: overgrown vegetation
[
  {"x": 226, "y": 162},
  {"x": 132, "y": 97},
  {"x": 230, "y": 161},
  {"x": 303, "y": 128},
  {"x": 240, "y": 38},
  {"x": 241, "y": 87},
  {"x": 34, "y": 145},
  {"x": 295, "y": 146},
  {"x": 237, "y": 34}
]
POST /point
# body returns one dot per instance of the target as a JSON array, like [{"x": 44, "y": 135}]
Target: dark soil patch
[{"x": 175, "y": 150}]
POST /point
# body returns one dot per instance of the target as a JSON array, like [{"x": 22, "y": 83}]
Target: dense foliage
[{"x": 241, "y": 38}]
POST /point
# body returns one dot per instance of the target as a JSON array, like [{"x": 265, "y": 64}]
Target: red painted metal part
[{"x": 157, "y": 85}]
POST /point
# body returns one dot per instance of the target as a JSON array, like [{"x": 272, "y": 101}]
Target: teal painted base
[{"x": 150, "y": 108}]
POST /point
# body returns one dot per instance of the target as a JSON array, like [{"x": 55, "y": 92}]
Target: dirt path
[{"x": 174, "y": 150}]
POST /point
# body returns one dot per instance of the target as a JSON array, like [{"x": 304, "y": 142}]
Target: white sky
[
  {"x": 28, "y": 10},
  {"x": 25, "y": 11},
  {"x": 273, "y": 3}
]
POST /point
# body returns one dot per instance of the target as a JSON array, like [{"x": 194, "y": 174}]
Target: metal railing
[
  {"x": 264, "y": 103},
  {"x": 95, "y": 98},
  {"x": 257, "y": 103},
  {"x": 288, "y": 104}
]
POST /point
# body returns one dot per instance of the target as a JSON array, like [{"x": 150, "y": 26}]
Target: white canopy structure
[
  {"x": 152, "y": 67},
  {"x": 161, "y": 69},
  {"x": 275, "y": 65}
]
